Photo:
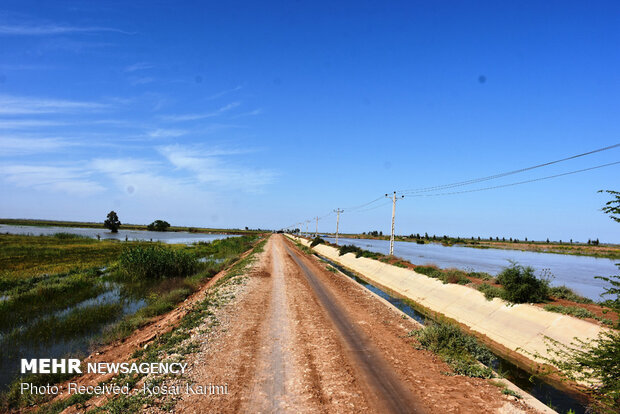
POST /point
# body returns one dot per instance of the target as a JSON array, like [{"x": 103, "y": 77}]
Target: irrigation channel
[
  {"x": 66, "y": 325},
  {"x": 576, "y": 272},
  {"x": 559, "y": 400}
]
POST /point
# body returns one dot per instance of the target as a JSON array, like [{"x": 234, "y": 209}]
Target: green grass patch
[
  {"x": 563, "y": 292},
  {"x": 156, "y": 261},
  {"x": 461, "y": 351},
  {"x": 28, "y": 256},
  {"x": 575, "y": 311}
]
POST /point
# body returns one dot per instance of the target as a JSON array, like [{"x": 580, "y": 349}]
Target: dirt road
[{"x": 299, "y": 338}]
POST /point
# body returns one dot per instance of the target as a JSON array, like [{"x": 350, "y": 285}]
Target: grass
[
  {"x": 462, "y": 352},
  {"x": 575, "y": 311},
  {"x": 61, "y": 308},
  {"x": 37, "y": 297},
  {"x": 28, "y": 256},
  {"x": 563, "y": 292},
  {"x": 446, "y": 276},
  {"x": 156, "y": 261}
]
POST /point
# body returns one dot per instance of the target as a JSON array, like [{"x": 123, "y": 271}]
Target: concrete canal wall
[{"x": 520, "y": 328}]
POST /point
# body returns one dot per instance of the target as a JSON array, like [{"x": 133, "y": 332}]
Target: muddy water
[
  {"x": 171, "y": 237},
  {"x": 576, "y": 272}
]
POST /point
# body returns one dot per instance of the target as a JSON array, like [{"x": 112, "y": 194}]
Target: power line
[
  {"x": 504, "y": 174},
  {"x": 517, "y": 183},
  {"x": 351, "y": 209}
]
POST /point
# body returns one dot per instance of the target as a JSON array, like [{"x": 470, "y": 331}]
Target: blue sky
[{"x": 264, "y": 114}]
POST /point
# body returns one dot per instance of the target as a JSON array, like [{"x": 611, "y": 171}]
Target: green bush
[
  {"x": 316, "y": 241},
  {"x": 461, "y": 351},
  {"x": 430, "y": 271},
  {"x": 490, "y": 291},
  {"x": 349, "y": 248},
  {"x": 156, "y": 261},
  {"x": 522, "y": 286}
]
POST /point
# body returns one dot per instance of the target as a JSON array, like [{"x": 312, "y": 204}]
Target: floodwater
[
  {"x": 171, "y": 237},
  {"x": 576, "y": 272}
]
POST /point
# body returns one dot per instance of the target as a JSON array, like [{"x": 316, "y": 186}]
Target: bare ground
[{"x": 298, "y": 338}]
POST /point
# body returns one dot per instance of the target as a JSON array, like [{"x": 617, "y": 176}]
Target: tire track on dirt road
[{"x": 380, "y": 379}]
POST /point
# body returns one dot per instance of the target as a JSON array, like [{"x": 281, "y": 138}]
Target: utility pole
[
  {"x": 393, "y": 214},
  {"x": 307, "y": 221},
  {"x": 316, "y": 233},
  {"x": 337, "y": 211}
]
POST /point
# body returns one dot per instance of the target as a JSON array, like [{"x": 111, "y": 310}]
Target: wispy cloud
[
  {"x": 21, "y": 145},
  {"x": 142, "y": 80},
  {"x": 28, "y": 123},
  {"x": 17, "y": 105},
  {"x": 211, "y": 166},
  {"x": 166, "y": 133},
  {"x": 254, "y": 112},
  {"x": 196, "y": 116},
  {"x": 226, "y": 92},
  {"x": 52, "y": 29},
  {"x": 70, "y": 180},
  {"x": 138, "y": 66}
]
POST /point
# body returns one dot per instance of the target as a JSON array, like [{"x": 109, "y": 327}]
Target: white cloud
[
  {"x": 210, "y": 167},
  {"x": 138, "y": 66},
  {"x": 52, "y": 29},
  {"x": 28, "y": 123},
  {"x": 142, "y": 80},
  {"x": 20, "y": 145},
  {"x": 226, "y": 92},
  {"x": 166, "y": 133},
  {"x": 70, "y": 180},
  {"x": 16, "y": 105},
  {"x": 193, "y": 117}
]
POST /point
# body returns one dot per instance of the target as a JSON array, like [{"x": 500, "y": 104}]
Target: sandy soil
[{"x": 298, "y": 338}]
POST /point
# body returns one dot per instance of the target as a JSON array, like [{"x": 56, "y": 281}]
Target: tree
[
  {"x": 112, "y": 222},
  {"x": 158, "y": 225},
  {"x": 612, "y": 207}
]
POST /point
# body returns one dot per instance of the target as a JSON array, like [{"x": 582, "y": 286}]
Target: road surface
[{"x": 300, "y": 338}]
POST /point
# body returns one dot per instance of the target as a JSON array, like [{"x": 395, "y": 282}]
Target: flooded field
[
  {"x": 171, "y": 237},
  {"x": 576, "y": 272},
  {"x": 64, "y": 293}
]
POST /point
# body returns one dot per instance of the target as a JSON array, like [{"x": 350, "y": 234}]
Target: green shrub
[
  {"x": 349, "y": 248},
  {"x": 430, "y": 271},
  {"x": 490, "y": 291},
  {"x": 156, "y": 261},
  {"x": 522, "y": 286},
  {"x": 461, "y": 351},
  {"x": 454, "y": 276},
  {"x": 316, "y": 241}
]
